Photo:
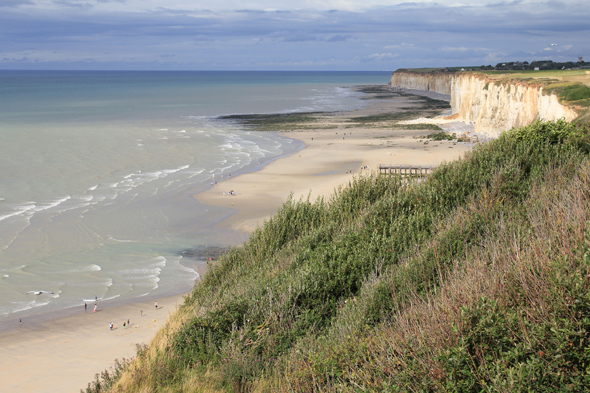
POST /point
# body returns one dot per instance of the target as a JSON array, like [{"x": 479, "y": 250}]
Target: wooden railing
[{"x": 406, "y": 170}]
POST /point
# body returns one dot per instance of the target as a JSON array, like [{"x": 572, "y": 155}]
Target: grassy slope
[{"x": 475, "y": 280}]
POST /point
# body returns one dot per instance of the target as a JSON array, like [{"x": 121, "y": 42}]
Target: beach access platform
[{"x": 420, "y": 171}]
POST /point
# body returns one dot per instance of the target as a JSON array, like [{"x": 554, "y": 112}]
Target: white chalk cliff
[{"x": 491, "y": 107}]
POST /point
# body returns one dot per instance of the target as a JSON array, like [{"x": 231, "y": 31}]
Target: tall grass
[{"x": 456, "y": 283}]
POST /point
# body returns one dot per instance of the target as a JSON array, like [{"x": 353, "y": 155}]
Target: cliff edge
[{"x": 491, "y": 106}]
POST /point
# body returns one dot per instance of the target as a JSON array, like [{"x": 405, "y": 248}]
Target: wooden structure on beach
[{"x": 406, "y": 170}]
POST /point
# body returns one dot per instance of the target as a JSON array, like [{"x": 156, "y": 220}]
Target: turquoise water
[{"x": 98, "y": 170}]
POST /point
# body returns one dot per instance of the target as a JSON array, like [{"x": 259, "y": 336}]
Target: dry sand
[
  {"x": 331, "y": 157},
  {"x": 63, "y": 355}
]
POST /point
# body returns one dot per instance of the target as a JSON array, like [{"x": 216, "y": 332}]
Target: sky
[{"x": 371, "y": 35}]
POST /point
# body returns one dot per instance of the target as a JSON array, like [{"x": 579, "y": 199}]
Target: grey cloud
[
  {"x": 416, "y": 32},
  {"x": 258, "y": 12},
  {"x": 73, "y": 4},
  {"x": 339, "y": 38},
  {"x": 14, "y": 3},
  {"x": 170, "y": 11},
  {"x": 503, "y": 4}
]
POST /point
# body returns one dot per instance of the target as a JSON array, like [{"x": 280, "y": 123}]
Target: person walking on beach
[
  {"x": 156, "y": 304},
  {"x": 111, "y": 326},
  {"x": 85, "y": 306},
  {"x": 95, "y": 308}
]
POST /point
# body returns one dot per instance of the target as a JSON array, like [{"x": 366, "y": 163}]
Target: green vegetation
[
  {"x": 277, "y": 121},
  {"x": 439, "y": 69},
  {"x": 383, "y": 117},
  {"x": 419, "y": 126},
  {"x": 575, "y": 92},
  {"x": 475, "y": 280},
  {"x": 442, "y": 136},
  {"x": 571, "y": 93}
]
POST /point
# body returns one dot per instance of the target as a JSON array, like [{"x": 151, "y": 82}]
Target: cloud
[
  {"x": 403, "y": 45},
  {"x": 461, "y": 49},
  {"x": 14, "y": 3},
  {"x": 184, "y": 36},
  {"x": 381, "y": 56},
  {"x": 339, "y": 38},
  {"x": 73, "y": 4}
]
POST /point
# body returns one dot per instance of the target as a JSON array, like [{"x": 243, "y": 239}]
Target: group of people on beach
[
  {"x": 111, "y": 325},
  {"x": 213, "y": 182},
  {"x": 125, "y": 325}
]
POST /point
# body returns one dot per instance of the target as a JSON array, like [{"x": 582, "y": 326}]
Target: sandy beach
[
  {"x": 331, "y": 157},
  {"x": 64, "y": 354}
]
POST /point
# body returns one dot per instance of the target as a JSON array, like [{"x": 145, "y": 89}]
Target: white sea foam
[
  {"x": 110, "y": 298},
  {"x": 19, "y": 211},
  {"x": 54, "y": 203},
  {"x": 161, "y": 261},
  {"x": 194, "y": 173},
  {"x": 171, "y": 182},
  {"x": 29, "y": 208},
  {"x": 121, "y": 240},
  {"x": 175, "y": 169},
  {"x": 140, "y": 273},
  {"x": 23, "y": 306},
  {"x": 83, "y": 269}
]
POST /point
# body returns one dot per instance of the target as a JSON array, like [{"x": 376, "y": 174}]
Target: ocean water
[{"x": 98, "y": 172}]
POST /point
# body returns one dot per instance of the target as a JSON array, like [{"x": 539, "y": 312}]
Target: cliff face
[
  {"x": 440, "y": 83},
  {"x": 489, "y": 107}
]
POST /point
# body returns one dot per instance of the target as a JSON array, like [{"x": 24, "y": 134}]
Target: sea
[{"x": 98, "y": 172}]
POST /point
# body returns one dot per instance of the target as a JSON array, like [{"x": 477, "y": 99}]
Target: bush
[{"x": 575, "y": 93}]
